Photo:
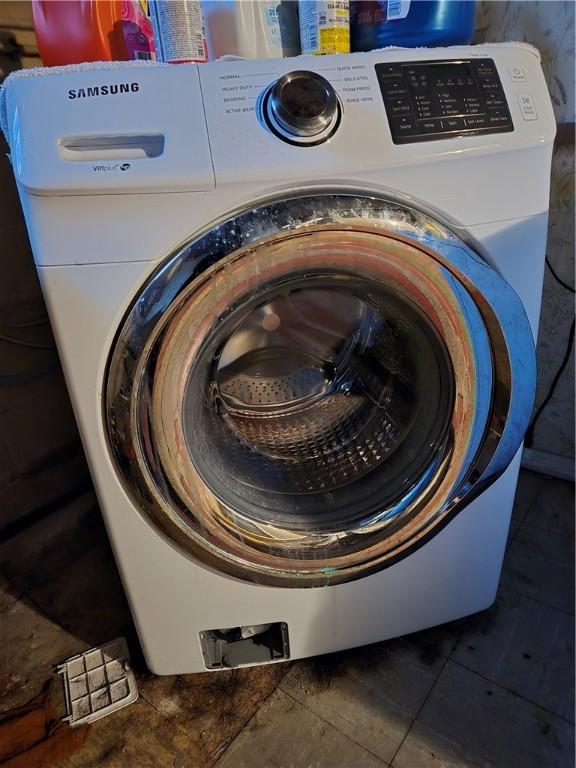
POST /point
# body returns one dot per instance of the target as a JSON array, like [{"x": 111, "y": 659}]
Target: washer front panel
[{"x": 306, "y": 392}]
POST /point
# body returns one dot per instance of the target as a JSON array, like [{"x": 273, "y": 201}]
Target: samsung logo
[{"x": 103, "y": 90}]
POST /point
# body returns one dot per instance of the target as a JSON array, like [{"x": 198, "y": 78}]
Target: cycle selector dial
[{"x": 302, "y": 108}]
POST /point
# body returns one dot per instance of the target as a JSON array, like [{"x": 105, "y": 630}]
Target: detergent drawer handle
[{"x": 115, "y": 147}]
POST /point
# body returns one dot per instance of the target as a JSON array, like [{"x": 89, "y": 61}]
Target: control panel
[{"x": 430, "y": 100}]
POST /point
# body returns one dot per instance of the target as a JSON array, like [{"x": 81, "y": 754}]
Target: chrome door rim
[{"x": 495, "y": 432}]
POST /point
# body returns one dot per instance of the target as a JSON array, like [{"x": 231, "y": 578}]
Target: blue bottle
[{"x": 410, "y": 23}]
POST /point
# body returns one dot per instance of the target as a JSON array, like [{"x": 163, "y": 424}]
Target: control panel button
[
  {"x": 403, "y": 126},
  {"x": 455, "y": 124},
  {"x": 485, "y": 68},
  {"x": 395, "y": 90},
  {"x": 527, "y": 107},
  {"x": 495, "y": 101},
  {"x": 399, "y": 106},
  {"x": 476, "y": 122},
  {"x": 430, "y": 126},
  {"x": 389, "y": 71},
  {"x": 497, "y": 117},
  {"x": 490, "y": 85},
  {"x": 517, "y": 74}
]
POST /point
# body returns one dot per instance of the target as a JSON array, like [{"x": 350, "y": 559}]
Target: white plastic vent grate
[{"x": 98, "y": 682}]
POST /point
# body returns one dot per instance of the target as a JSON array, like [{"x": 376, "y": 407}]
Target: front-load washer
[{"x": 296, "y": 304}]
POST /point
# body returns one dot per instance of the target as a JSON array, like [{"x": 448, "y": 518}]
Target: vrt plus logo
[{"x": 114, "y": 167}]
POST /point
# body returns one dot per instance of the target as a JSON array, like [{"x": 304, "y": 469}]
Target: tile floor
[{"x": 494, "y": 690}]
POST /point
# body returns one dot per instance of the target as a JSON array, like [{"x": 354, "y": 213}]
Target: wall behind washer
[{"x": 550, "y": 26}]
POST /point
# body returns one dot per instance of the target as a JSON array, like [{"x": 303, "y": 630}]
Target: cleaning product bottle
[
  {"x": 410, "y": 23},
  {"x": 178, "y": 30},
  {"x": 74, "y": 31},
  {"x": 324, "y": 26},
  {"x": 251, "y": 29}
]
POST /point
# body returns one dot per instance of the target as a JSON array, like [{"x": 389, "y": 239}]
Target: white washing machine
[{"x": 296, "y": 304}]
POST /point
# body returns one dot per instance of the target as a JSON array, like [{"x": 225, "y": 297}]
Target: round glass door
[{"x": 313, "y": 404}]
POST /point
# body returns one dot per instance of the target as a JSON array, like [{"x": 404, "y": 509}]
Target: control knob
[{"x": 302, "y": 108}]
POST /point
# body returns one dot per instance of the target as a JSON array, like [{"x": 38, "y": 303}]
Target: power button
[{"x": 517, "y": 74}]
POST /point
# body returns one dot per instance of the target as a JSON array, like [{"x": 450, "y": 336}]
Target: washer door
[{"x": 310, "y": 390}]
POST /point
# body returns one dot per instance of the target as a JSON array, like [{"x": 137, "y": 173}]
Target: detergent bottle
[{"x": 410, "y": 23}]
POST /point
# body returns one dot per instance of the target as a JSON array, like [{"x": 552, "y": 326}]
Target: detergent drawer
[{"x": 110, "y": 130}]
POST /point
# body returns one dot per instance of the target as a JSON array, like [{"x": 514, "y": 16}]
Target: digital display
[{"x": 432, "y": 100}]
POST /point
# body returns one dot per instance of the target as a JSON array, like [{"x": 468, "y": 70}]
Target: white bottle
[
  {"x": 325, "y": 26},
  {"x": 251, "y": 29},
  {"x": 178, "y": 30}
]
